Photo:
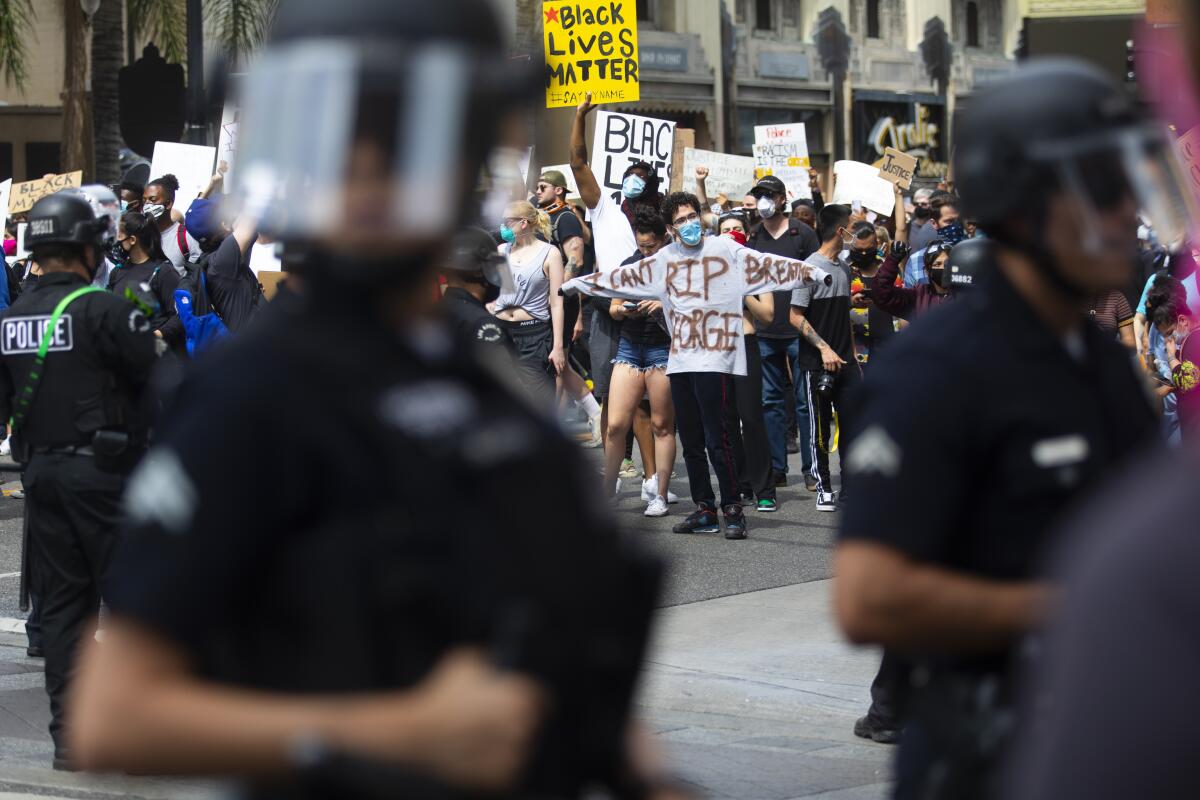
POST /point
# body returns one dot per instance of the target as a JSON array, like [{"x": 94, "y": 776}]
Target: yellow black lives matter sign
[{"x": 591, "y": 46}]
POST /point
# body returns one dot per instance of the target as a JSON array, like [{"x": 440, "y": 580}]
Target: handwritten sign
[
  {"x": 622, "y": 139},
  {"x": 685, "y": 138},
  {"x": 898, "y": 168},
  {"x": 228, "y": 142},
  {"x": 192, "y": 164},
  {"x": 782, "y": 151},
  {"x": 24, "y": 195},
  {"x": 729, "y": 175},
  {"x": 856, "y": 181},
  {"x": 591, "y": 46}
]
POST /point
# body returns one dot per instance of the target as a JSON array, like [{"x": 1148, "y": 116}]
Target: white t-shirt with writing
[
  {"x": 701, "y": 289},
  {"x": 170, "y": 246},
  {"x": 612, "y": 235}
]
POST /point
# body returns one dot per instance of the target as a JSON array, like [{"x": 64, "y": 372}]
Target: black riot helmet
[
  {"x": 364, "y": 126},
  {"x": 967, "y": 264},
  {"x": 65, "y": 217},
  {"x": 1062, "y": 126},
  {"x": 474, "y": 253}
]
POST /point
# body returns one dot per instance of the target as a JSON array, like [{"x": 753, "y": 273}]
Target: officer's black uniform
[
  {"x": 975, "y": 435},
  {"x": 270, "y": 572},
  {"x": 98, "y": 365},
  {"x": 472, "y": 322}
]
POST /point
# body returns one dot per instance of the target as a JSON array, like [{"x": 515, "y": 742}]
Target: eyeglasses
[
  {"x": 541, "y": 187},
  {"x": 693, "y": 217}
]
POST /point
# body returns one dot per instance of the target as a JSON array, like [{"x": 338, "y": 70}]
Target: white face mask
[
  {"x": 766, "y": 207},
  {"x": 154, "y": 209}
]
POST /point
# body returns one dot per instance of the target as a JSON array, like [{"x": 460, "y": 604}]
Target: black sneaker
[
  {"x": 702, "y": 520},
  {"x": 735, "y": 522},
  {"x": 793, "y": 447},
  {"x": 810, "y": 482},
  {"x": 780, "y": 479},
  {"x": 766, "y": 504},
  {"x": 867, "y": 728}
]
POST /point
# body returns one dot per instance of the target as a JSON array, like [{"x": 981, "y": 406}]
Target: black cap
[{"x": 768, "y": 184}]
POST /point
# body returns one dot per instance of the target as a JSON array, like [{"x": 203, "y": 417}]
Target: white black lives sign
[{"x": 21, "y": 335}]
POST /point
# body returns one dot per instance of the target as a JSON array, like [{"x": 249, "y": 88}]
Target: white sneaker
[
  {"x": 649, "y": 488},
  {"x": 657, "y": 507},
  {"x": 825, "y": 502},
  {"x": 597, "y": 433},
  {"x": 617, "y": 490},
  {"x": 6, "y": 447}
]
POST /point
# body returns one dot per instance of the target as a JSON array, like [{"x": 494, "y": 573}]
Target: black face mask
[
  {"x": 937, "y": 277},
  {"x": 862, "y": 258}
]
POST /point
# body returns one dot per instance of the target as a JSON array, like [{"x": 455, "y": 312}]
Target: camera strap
[{"x": 29, "y": 391}]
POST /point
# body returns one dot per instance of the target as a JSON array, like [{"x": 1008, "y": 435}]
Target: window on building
[
  {"x": 872, "y": 19},
  {"x": 6, "y": 159},
  {"x": 791, "y": 13},
  {"x": 42, "y": 158},
  {"x": 972, "y": 24},
  {"x": 644, "y": 11},
  {"x": 762, "y": 15},
  {"x": 739, "y": 11}
]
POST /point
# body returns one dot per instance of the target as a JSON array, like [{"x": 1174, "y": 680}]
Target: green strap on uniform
[{"x": 25, "y": 398}]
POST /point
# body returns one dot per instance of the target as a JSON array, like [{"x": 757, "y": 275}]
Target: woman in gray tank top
[{"x": 533, "y": 311}]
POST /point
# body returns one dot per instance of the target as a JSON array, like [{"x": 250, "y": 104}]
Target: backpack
[
  {"x": 181, "y": 240},
  {"x": 202, "y": 325}
]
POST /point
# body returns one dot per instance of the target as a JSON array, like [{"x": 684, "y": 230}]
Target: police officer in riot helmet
[
  {"x": 345, "y": 610},
  {"x": 474, "y": 274},
  {"x": 75, "y": 362},
  {"x": 966, "y": 266},
  {"x": 994, "y": 413}
]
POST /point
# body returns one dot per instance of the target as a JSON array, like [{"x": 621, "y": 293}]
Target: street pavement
[{"x": 748, "y": 686}]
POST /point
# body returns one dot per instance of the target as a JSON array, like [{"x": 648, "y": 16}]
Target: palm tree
[{"x": 237, "y": 26}]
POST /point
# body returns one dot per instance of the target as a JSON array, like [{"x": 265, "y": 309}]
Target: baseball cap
[
  {"x": 201, "y": 219},
  {"x": 768, "y": 184},
  {"x": 554, "y": 178}
]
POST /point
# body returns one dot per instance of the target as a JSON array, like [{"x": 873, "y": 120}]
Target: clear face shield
[
  {"x": 358, "y": 146},
  {"x": 1114, "y": 176}
]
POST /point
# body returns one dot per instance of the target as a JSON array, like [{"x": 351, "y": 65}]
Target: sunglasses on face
[{"x": 693, "y": 217}]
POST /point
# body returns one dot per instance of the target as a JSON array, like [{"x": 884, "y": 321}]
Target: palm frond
[
  {"x": 16, "y": 28},
  {"x": 163, "y": 21},
  {"x": 239, "y": 26}
]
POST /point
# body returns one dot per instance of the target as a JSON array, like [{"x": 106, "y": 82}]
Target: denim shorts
[{"x": 642, "y": 357}]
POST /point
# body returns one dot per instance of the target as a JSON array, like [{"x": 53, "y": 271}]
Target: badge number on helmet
[{"x": 41, "y": 227}]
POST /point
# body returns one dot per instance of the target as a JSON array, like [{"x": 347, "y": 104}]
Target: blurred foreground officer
[
  {"x": 349, "y": 613},
  {"x": 76, "y": 360},
  {"x": 994, "y": 413}
]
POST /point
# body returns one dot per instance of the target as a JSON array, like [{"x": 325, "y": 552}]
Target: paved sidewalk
[{"x": 755, "y": 696}]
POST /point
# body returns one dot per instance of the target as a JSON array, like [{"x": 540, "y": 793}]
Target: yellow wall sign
[{"x": 591, "y": 46}]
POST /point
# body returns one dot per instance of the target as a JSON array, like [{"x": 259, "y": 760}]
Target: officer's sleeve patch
[
  {"x": 161, "y": 493},
  {"x": 138, "y": 322},
  {"x": 874, "y": 451},
  {"x": 488, "y": 332}
]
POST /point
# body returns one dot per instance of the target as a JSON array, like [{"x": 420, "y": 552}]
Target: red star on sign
[{"x": 552, "y": 15}]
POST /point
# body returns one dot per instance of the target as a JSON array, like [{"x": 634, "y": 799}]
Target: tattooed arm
[
  {"x": 589, "y": 188},
  {"x": 830, "y": 360}
]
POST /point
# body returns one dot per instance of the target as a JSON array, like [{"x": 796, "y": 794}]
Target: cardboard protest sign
[
  {"x": 269, "y": 280},
  {"x": 565, "y": 169},
  {"x": 685, "y": 138},
  {"x": 22, "y": 196},
  {"x": 622, "y": 139},
  {"x": 855, "y": 181},
  {"x": 591, "y": 46},
  {"x": 782, "y": 151},
  {"x": 898, "y": 167},
  {"x": 228, "y": 142},
  {"x": 192, "y": 164},
  {"x": 729, "y": 175}
]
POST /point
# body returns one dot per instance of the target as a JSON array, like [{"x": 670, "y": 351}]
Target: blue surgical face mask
[
  {"x": 690, "y": 233},
  {"x": 952, "y": 233},
  {"x": 880, "y": 253},
  {"x": 633, "y": 186},
  {"x": 124, "y": 206},
  {"x": 506, "y": 233}
]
